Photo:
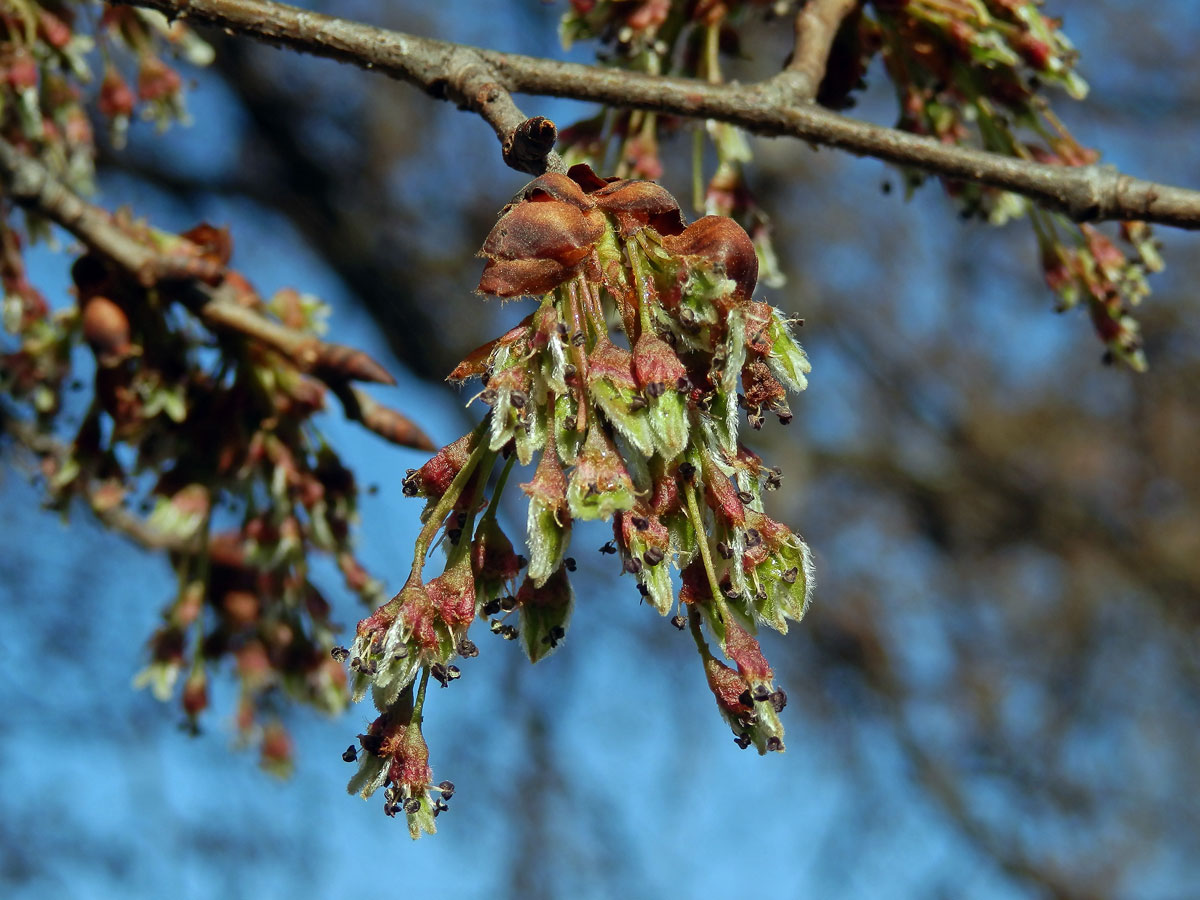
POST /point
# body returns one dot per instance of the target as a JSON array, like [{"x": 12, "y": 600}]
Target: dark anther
[
  {"x": 785, "y": 417},
  {"x": 439, "y": 806},
  {"x": 491, "y": 607},
  {"x": 561, "y": 328},
  {"x": 756, "y": 420},
  {"x": 725, "y": 550},
  {"x": 400, "y": 654},
  {"x": 454, "y": 534},
  {"x": 339, "y": 653},
  {"x": 439, "y": 672},
  {"x": 762, "y": 693},
  {"x": 753, "y": 538},
  {"x": 742, "y": 740},
  {"x": 356, "y": 663},
  {"x": 641, "y": 523},
  {"x": 633, "y": 565},
  {"x": 609, "y": 548},
  {"x": 774, "y": 744},
  {"x": 510, "y": 632},
  {"x": 447, "y": 789},
  {"x": 392, "y": 794},
  {"x": 518, "y": 399},
  {"x": 779, "y": 700},
  {"x": 578, "y": 338},
  {"x": 643, "y": 590},
  {"x": 790, "y": 575},
  {"x": 522, "y": 562},
  {"x": 745, "y": 496},
  {"x": 683, "y": 384},
  {"x": 653, "y": 556},
  {"x": 453, "y": 672},
  {"x": 637, "y": 403},
  {"x": 488, "y": 396},
  {"x": 679, "y": 622},
  {"x": 570, "y": 423},
  {"x": 390, "y": 809},
  {"x": 411, "y": 485},
  {"x": 351, "y": 754},
  {"x": 508, "y": 603},
  {"x": 730, "y": 592},
  {"x": 745, "y": 699},
  {"x": 372, "y": 743},
  {"x": 467, "y": 648},
  {"x": 372, "y": 668},
  {"x": 569, "y": 370},
  {"x": 687, "y": 470},
  {"x": 655, "y": 389},
  {"x": 412, "y": 806},
  {"x": 569, "y": 563}
]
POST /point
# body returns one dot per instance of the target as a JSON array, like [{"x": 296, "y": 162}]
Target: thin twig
[
  {"x": 444, "y": 69},
  {"x": 816, "y": 26}
]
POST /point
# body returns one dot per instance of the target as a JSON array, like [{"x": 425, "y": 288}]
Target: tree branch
[
  {"x": 31, "y": 185},
  {"x": 451, "y": 71},
  {"x": 816, "y": 26}
]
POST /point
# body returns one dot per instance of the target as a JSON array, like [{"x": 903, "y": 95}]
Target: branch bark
[
  {"x": 816, "y": 26},
  {"x": 454, "y": 71}
]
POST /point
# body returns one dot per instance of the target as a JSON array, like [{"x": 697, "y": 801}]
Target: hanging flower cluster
[
  {"x": 190, "y": 426},
  {"x": 46, "y": 77},
  {"x": 973, "y": 72},
  {"x": 623, "y": 390}
]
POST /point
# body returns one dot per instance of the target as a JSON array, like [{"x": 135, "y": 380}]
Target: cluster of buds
[
  {"x": 628, "y": 28},
  {"x": 971, "y": 72},
  {"x": 46, "y": 78},
  {"x": 1092, "y": 269},
  {"x": 621, "y": 392},
  {"x": 965, "y": 72},
  {"x": 198, "y": 438},
  {"x": 677, "y": 38}
]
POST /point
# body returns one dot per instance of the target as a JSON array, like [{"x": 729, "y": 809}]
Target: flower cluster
[
  {"x": 197, "y": 438},
  {"x": 46, "y": 77},
  {"x": 964, "y": 71},
  {"x": 973, "y": 72},
  {"x": 623, "y": 392}
]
